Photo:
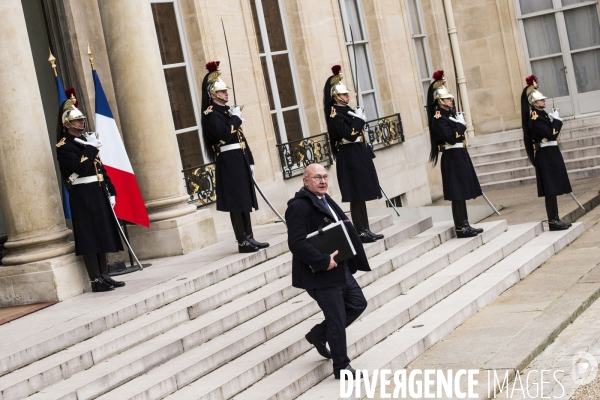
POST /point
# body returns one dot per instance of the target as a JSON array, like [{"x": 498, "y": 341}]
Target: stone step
[
  {"x": 197, "y": 362},
  {"x": 412, "y": 340},
  {"x": 253, "y": 365},
  {"x": 574, "y": 174},
  {"x": 521, "y": 162},
  {"x": 297, "y": 377},
  {"x": 568, "y": 141},
  {"x": 529, "y": 170},
  {"x": 579, "y": 127},
  {"x": 263, "y": 289}
]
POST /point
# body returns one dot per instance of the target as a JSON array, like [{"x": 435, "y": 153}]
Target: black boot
[
  {"x": 107, "y": 279},
  {"x": 557, "y": 225},
  {"x": 365, "y": 237},
  {"x": 247, "y": 247},
  {"x": 478, "y": 230},
  {"x": 98, "y": 285},
  {"x": 465, "y": 231},
  {"x": 260, "y": 245},
  {"x": 374, "y": 235}
]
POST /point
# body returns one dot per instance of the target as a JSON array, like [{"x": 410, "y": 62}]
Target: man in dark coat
[
  {"x": 447, "y": 133},
  {"x": 540, "y": 134},
  {"x": 94, "y": 226},
  {"x": 331, "y": 284},
  {"x": 223, "y": 134},
  {"x": 356, "y": 172}
]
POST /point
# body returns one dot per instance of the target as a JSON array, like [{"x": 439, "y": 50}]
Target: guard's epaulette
[
  {"x": 208, "y": 110},
  {"x": 62, "y": 141},
  {"x": 534, "y": 115},
  {"x": 333, "y": 113},
  {"x": 437, "y": 115}
]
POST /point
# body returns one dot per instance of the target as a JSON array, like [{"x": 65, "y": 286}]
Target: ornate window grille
[
  {"x": 201, "y": 184},
  {"x": 385, "y": 132},
  {"x": 296, "y": 155}
]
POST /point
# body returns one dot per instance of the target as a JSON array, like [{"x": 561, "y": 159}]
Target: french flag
[{"x": 130, "y": 205}]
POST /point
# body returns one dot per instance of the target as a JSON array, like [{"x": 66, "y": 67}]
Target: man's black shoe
[
  {"x": 99, "y": 285},
  {"x": 478, "y": 230},
  {"x": 348, "y": 368},
  {"x": 365, "y": 237},
  {"x": 464, "y": 231},
  {"x": 247, "y": 247},
  {"x": 107, "y": 279},
  {"x": 260, "y": 245},
  {"x": 557, "y": 225},
  {"x": 318, "y": 345},
  {"x": 373, "y": 235}
]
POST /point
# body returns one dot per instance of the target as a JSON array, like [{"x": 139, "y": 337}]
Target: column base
[
  {"x": 173, "y": 237},
  {"x": 52, "y": 280}
]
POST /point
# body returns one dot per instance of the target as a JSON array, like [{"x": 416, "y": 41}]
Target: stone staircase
[
  {"x": 500, "y": 159},
  {"x": 234, "y": 328}
]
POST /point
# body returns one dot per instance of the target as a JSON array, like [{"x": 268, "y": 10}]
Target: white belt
[
  {"x": 88, "y": 179},
  {"x": 549, "y": 143},
  {"x": 454, "y": 146},
  {"x": 230, "y": 147},
  {"x": 358, "y": 140}
]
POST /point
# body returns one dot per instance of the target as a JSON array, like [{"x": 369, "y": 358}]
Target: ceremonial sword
[
  {"x": 123, "y": 233},
  {"x": 355, "y": 83},
  {"x": 576, "y": 201},
  {"x": 235, "y": 103},
  {"x": 490, "y": 204}
]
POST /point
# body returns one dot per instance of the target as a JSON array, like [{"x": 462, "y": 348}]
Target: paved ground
[{"x": 511, "y": 334}]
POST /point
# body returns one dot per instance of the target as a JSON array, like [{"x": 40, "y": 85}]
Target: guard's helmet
[
  {"x": 214, "y": 83},
  {"x": 533, "y": 94},
  {"x": 71, "y": 113},
  {"x": 337, "y": 86},
  {"x": 439, "y": 86}
]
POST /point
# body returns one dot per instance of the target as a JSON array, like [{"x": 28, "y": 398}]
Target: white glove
[
  {"x": 252, "y": 169},
  {"x": 358, "y": 113},
  {"x": 460, "y": 118},
  {"x": 236, "y": 111},
  {"x": 92, "y": 140},
  {"x": 113, "y": 201},
  {"x": 555, "y": 114}
]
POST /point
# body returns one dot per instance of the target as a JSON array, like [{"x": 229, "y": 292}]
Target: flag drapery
[
  {"x": 62, "y": 97},
  {"x": 130, "y": 205}
]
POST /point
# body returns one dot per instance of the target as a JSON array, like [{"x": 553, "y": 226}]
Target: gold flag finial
[
  {"x": 90, "y": 56},
  {"x": 52, "y": 61}
]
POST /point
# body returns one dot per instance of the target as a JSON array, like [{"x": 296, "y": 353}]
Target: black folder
[{"x": 331, "y": 238}]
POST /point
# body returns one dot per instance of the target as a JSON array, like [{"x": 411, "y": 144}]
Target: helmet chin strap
[
  {"x": 338, "y": 98},
  {"x": 71, "y": 126}
]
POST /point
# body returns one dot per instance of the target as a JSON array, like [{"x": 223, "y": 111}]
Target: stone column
[
  {"x": 148, "y": 131},
  {"x": 29, "y": 194}
]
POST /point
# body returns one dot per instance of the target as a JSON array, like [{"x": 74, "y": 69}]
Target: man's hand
[
  {"x": 236, "y": 111},
  {"x": 460, "y": 118},
  {"x": 555, "y": 114},
  {"x": 113, "y": 201},
  {"x": 332, "y": 263},
  {"x": 252, "y": 169},
  {"x": 92, "y": 140},
  {"x": 358, "y": 113}
]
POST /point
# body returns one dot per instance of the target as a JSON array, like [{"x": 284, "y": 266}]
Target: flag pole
[{"x": 91, "y": 57}]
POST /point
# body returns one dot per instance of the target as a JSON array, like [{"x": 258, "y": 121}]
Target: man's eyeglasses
[{"x": 319, "y": 177}]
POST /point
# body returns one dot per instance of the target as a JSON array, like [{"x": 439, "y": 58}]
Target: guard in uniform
[
  {"x": 540, "y": 134},
  {"x": 447, "y": 133},
  {"x": 355, "y": 168},
  {"x": 91, "y": 196},
  {"x": 222, "y": 131}
]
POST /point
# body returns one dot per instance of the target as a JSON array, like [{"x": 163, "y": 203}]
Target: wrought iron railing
[
  {"x": 298, "y": 154},
  {"x": 385, "y": 132},
  {"x": 201, "y": 184}
]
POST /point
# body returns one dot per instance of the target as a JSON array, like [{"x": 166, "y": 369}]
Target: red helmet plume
[
  {"x": 71, "y": 92},
  {"x": 437, "y": 75},
  {"x": 336, "y": 69},
  {"x": 531, "y": 79},
  {"x": 212, "y": 66}
]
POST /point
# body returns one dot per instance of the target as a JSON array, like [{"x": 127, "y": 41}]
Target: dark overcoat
[
  {"x": 550, "y": 170},
  {"x": 94, "y": 226},
  {"x": 459, "y": 179},
  {"x": 356, "y": 172},
  {"x": 234, "y": 187},
  {"x": 306, "y": 214}
]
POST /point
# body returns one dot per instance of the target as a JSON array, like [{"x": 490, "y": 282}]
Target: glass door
[{"x": 562, "y": 47}]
